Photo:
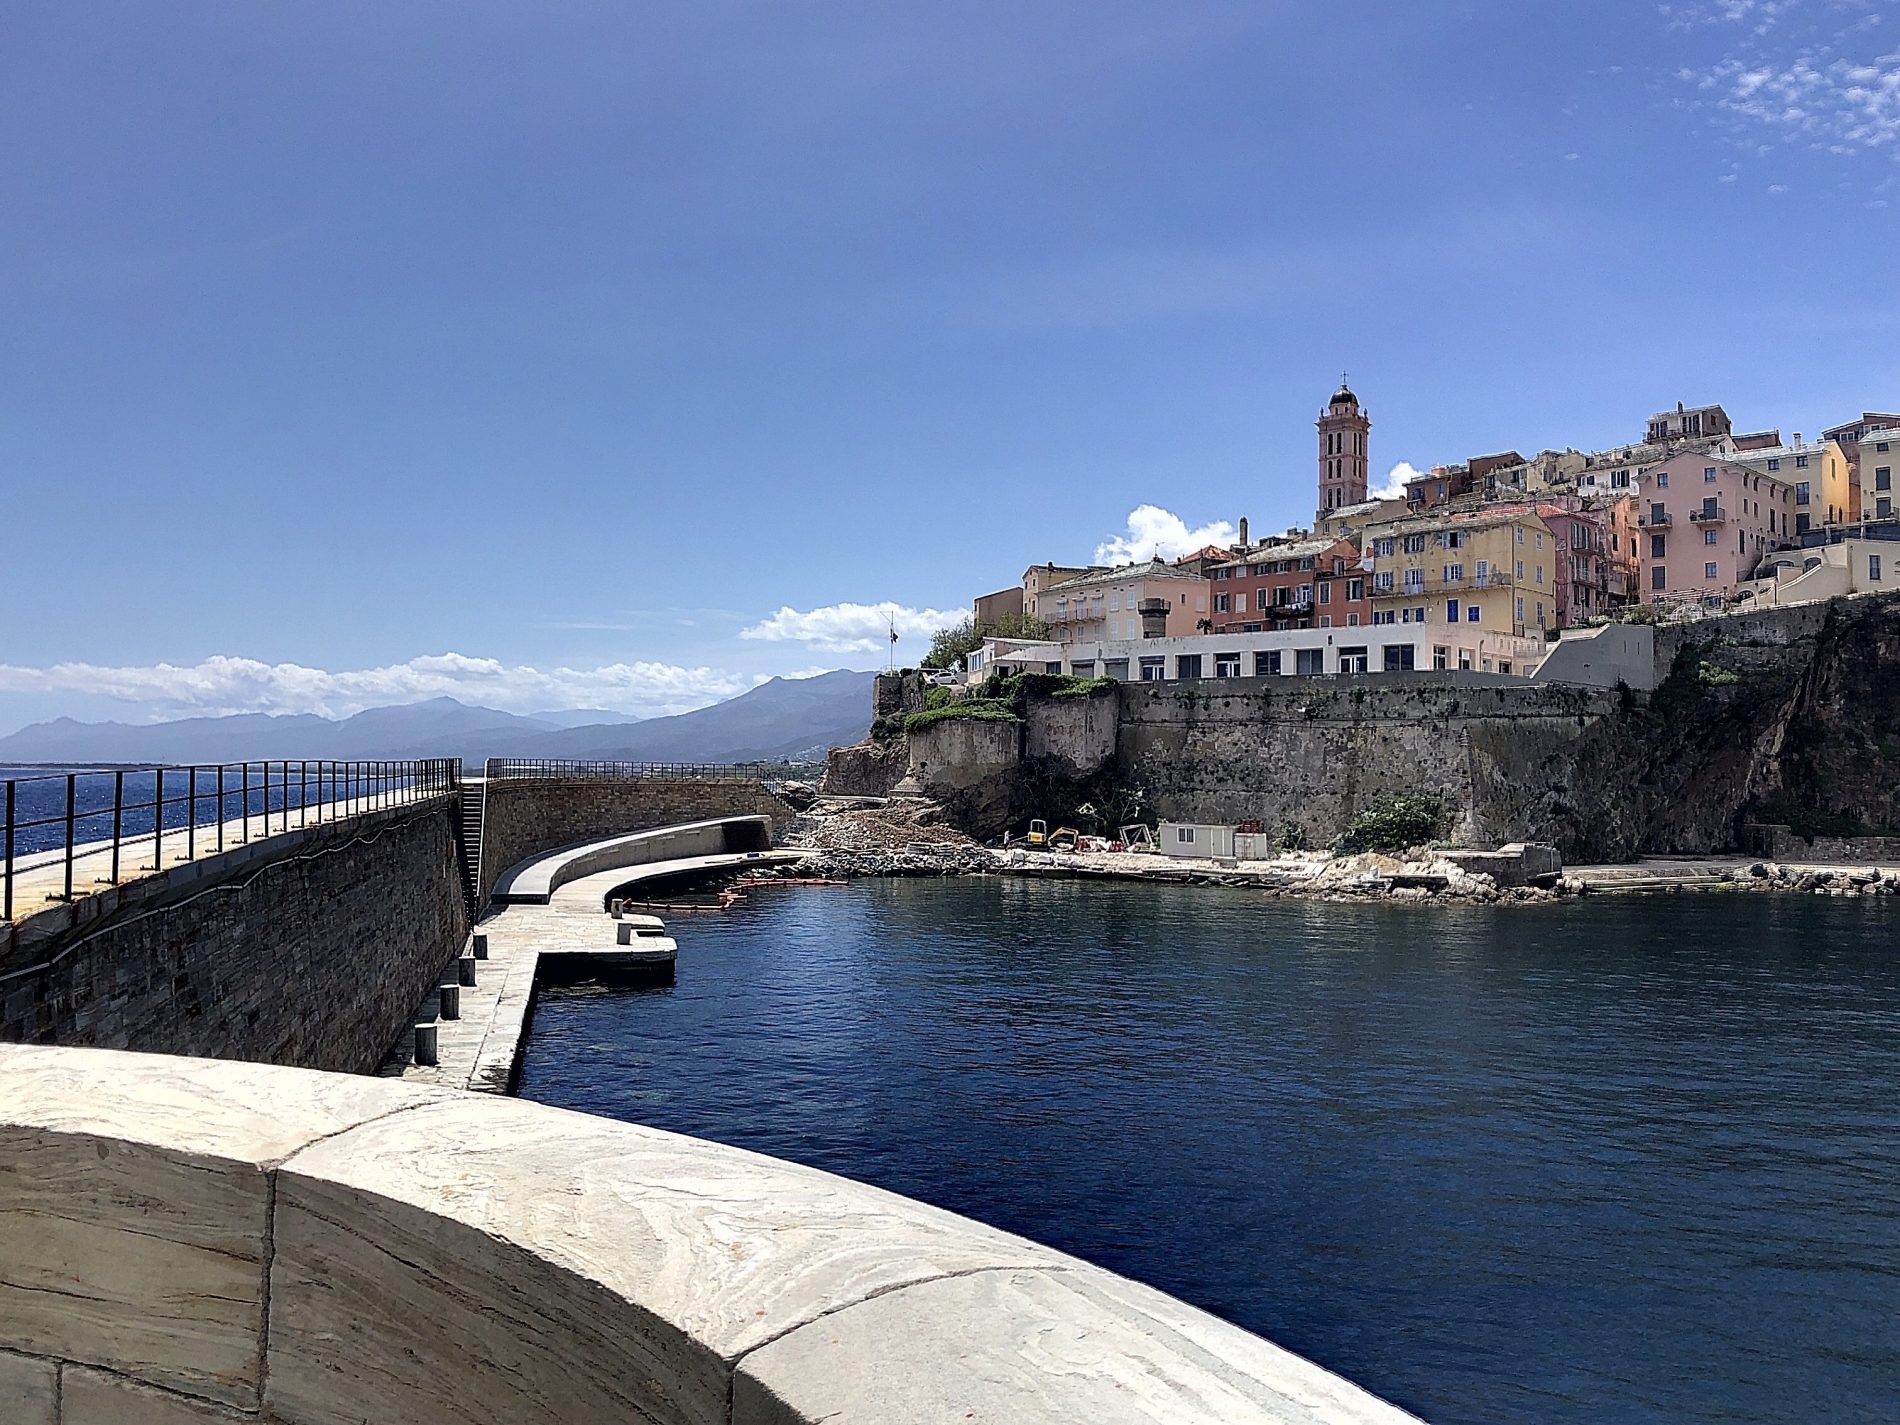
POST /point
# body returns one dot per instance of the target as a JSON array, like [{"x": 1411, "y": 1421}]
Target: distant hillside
[{"x": 780, "y": 719}]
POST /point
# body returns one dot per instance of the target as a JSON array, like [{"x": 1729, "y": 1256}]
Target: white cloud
[
  {"x": 238, "y": 685},
  {"x": 1155, "y": 533},
  {"x": 851, "y": 628},
  {"x": 1395, "y": 479},
  {"x": 1826, "y": 90}
]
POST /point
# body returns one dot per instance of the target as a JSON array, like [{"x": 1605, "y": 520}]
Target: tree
[{"x": 950, "y": 646}]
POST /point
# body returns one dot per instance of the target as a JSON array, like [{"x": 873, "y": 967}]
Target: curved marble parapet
[
  {"x": 533, "y": 881},
  {"x": 193, "y": 1240}
]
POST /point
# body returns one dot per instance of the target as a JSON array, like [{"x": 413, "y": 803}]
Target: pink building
[
  {"x": 1591, "y": 572},
  {"x": 1104, "y": 605},
  {"x": 1703, "y": 523}
]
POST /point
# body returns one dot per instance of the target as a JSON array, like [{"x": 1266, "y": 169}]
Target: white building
[{"x": 1392, "y": 648}]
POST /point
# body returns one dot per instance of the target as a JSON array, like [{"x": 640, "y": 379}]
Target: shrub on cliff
[
  {"x": 1392, "y": 826},
  {"x": 970, "y": 710}
]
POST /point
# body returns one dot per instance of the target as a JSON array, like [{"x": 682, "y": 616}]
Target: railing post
[
  {"x": 247, "y": 801},
  {"x": 158, "y": 819},
  {"x": 71, "y": 782},
  {"x": 6, "y": 899},
  {"x": 118, "y": 820},
  {"x": 191, "y": 817},
  {"x": 220, "y": 806},
  {"x": 303, "y": 793}
]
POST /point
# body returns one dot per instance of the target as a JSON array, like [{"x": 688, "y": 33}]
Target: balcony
[
  {"x": 1492, "y": 579},
  {"x": 1711, "y": 514},
  {"x": 1655, "y": 519}
]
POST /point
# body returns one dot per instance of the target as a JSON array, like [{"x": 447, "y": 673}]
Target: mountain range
[{"x": 785, "y": 718}]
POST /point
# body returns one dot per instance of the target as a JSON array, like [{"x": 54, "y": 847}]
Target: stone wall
[
  {"x": 188, "y": 1241},
  {"x": 866, "y": 769},
  {"x": 533, "y": 815},
  {"x": 309, "y": 948},
  {"x": 1789, "y": 716}
]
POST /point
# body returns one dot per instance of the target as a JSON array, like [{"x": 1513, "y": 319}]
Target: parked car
[{"x": 942, "y": 677}]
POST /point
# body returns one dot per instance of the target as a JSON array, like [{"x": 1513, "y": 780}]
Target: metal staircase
[{"x": 474, "y": 800}]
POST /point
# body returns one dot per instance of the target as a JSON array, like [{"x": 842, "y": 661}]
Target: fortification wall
[
  {"x": 530, "y": 816},
  {"x": 254, "y": 1243},
  {"x": 1789, "y": 716},
  {"x": 308, "y": 948}
]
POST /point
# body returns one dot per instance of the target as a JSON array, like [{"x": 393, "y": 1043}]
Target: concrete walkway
[{"x": 482, "y": 1049}]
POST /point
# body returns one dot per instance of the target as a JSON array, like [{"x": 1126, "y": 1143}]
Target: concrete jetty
[{"x": 552, "y": 920}]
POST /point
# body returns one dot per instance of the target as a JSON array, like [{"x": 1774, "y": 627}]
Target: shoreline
[{"x": 1350, "y": 879}]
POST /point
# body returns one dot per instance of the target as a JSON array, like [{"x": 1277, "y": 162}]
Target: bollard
[
  {"x": 451, "y": 1001},
  {"x": 481, "y": 946},
  {"x": 625, "y": 933},
  {"x": 425, "y": 1044},
  {"x": 613, "y": 909},
  {"x": 465, "y": 970}
]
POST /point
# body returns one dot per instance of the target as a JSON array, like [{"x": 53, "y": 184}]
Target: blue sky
[{"x": 615, "y": 354}]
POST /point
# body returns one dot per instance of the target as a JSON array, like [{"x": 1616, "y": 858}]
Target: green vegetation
[
  {"x": 1392, "y": 826},
  {"x": 1714, "y": 675},
  {"x": 950, "y": 646},
  {"x": 970, "y": 709}
]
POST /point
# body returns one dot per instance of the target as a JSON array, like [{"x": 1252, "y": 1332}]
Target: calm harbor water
[{"x": 1617, "y": 1160}]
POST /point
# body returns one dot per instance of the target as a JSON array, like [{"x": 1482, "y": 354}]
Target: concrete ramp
[{"x": 707, "y": 845}]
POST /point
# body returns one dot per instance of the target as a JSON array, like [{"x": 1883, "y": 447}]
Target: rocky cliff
[{"x": 1789, "y": 716}]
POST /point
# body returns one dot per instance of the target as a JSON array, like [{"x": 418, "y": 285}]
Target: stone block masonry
[
  {"x": 310, "y": 951},
  {"x": 533, "y": 815}
]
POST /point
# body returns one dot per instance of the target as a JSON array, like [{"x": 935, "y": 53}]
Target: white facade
[{"x": 1390, "y": 648}]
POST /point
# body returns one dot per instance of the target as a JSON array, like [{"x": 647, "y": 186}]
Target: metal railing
[
  {"x": 74, "y": 828},
  {"x": 507, "y": 769}
]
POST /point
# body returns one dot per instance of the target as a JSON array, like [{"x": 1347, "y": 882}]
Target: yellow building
[
  {"x": 1822, "y": 476},
  {"x": 1495, "y": 572}
]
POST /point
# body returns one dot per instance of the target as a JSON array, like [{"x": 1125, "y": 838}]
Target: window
[
  {"x": 1352, "y": 660},
  {"x": 1451, "y": 611},
  {"x": 1774, "y": 464},
  {"x": 1382, "y": 548},
  {"x": 1083, "y": 668},
  {"x": 1116, "y": 668},
  {"x": 1306, "y": 594},
  {"x": 1188, "y": 665},
  {"x": 1352, "y": 620},
  {"x": 1883, "y": 507},
  {"x": 1801, "y": 492},
  {"x": 1873, "y": 568},
  {"x": 1266, "y": 664},
  {"x": 1309, "y": 660},
  {"x": 1382, "y": 582},
  {"x": 1398, "y": 657},
  {"x": 1355, "y": 590},
  {"x": 1414, "y": 544},
  {"x": 1520, "y": 608},
  {"x": 1226, "y": 665},
  {"x": 1441, "y": 657},
  {"x": 1471, "y": 613},
  {"x": 1418, "y": 614},
  {"x": 1708, "y": 536},
  {"x": 1414, "y": 581},
  {"x": 1708, "y": 474},
  {"x": 1520, "y": 570},
  {"x": 1260, "y": 599},
  {"x": 1801, "y": 462},
  {"x": 1708, "y": 571},
  {"x": 1184, "y": 835},
  {"x": 1464, "y": 659},
  {"x": 1801, "y": 523},
  {"x": 1115, "y": 599},
  {"x": 1454, "y": 573},
  {"x": 1656, "y": 576},
  {"x": 1662, "y": 479},
  {"x": 1384, "y": 616},
  {"x": 1540, "y": 573},
  {"x": 1220, "y": 604},
  {"x": 1153, "y": 670},
  {"x": 1520, "y": 534},
  {"x": 1326, "y": 592},
  {"x": 1656, "y": 546},
  {"x": 1883, "y": 477}
]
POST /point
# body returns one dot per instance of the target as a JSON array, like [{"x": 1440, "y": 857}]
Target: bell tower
[{"x": 1342, "y": 451}]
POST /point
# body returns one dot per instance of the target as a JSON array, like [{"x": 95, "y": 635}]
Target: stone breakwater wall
[
  {"x": 1788, "y": 716},
  {"x": 308, "y": 948},
  {"x": 531, "y": 816},
  {"x": 191, "y": 1241}
]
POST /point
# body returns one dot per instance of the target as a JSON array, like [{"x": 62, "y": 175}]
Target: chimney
[
  {"x": 1797, "y": 437},
  {"x": 1243, "y": 531},
  {"x": 1154, "y": 617}
]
